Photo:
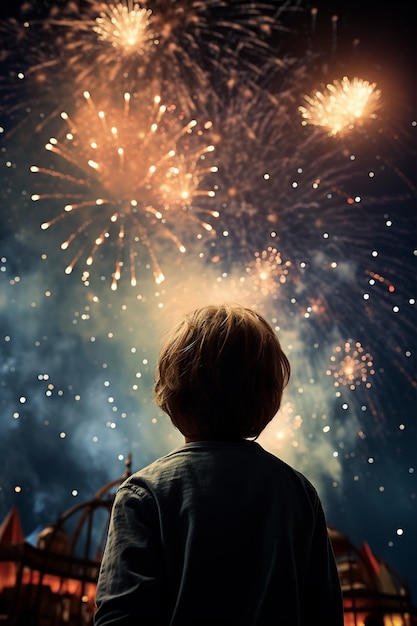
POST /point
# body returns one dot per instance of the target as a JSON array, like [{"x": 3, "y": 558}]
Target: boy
[{"x": 219, "y": 531}]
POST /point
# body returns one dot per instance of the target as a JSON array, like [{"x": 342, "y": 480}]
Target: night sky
[{"x": 216, "y": 191}]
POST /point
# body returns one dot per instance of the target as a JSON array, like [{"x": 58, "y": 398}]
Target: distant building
[
  {"x": 54, "y": 582},
  {"x": 373, "y": 593}
]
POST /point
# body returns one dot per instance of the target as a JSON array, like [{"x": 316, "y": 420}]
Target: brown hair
[{"x": 221, "y": 373}]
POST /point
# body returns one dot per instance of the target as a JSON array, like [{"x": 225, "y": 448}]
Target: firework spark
[
  {"x": 134, "y": 176},
  {"x": 344, "y": 105}
]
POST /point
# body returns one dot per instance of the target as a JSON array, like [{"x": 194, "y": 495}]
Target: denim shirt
[{"x": 218, "y": 533}]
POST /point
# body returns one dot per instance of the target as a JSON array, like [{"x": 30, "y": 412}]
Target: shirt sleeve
[
  {"x": 323, "y": 602},
  {"x": 131, "y": 585}
]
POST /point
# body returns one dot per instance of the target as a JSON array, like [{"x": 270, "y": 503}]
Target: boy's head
[{"x": 221, "y": 374}]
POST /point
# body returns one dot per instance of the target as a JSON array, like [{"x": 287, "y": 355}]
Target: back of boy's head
[{"x": 221, "y": 374}]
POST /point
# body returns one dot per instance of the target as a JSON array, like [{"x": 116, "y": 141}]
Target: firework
[
  {"x": 126, "y": 27},
  {"x": 268, "y": 271},
  {"x": 278, "y": 183},
  {"x": 133, "y": 175},
  {"x": 351, "y": 366},
  {"x": 344, "y": 105},
  {"x": 176, "y": 46}
]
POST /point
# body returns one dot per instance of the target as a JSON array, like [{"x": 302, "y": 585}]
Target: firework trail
[
  {"x": 252, "y": 131},
  {"x": 133, "y": 177},
  {"x": 32, "y": 74},
  {"x": 176, "y": 47}
]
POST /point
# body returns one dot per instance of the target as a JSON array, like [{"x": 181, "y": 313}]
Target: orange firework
[
  {"x": 268, "y": 270},
  {"x": 133, "y": 175},
  {"x": 351, "y": 366}
]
